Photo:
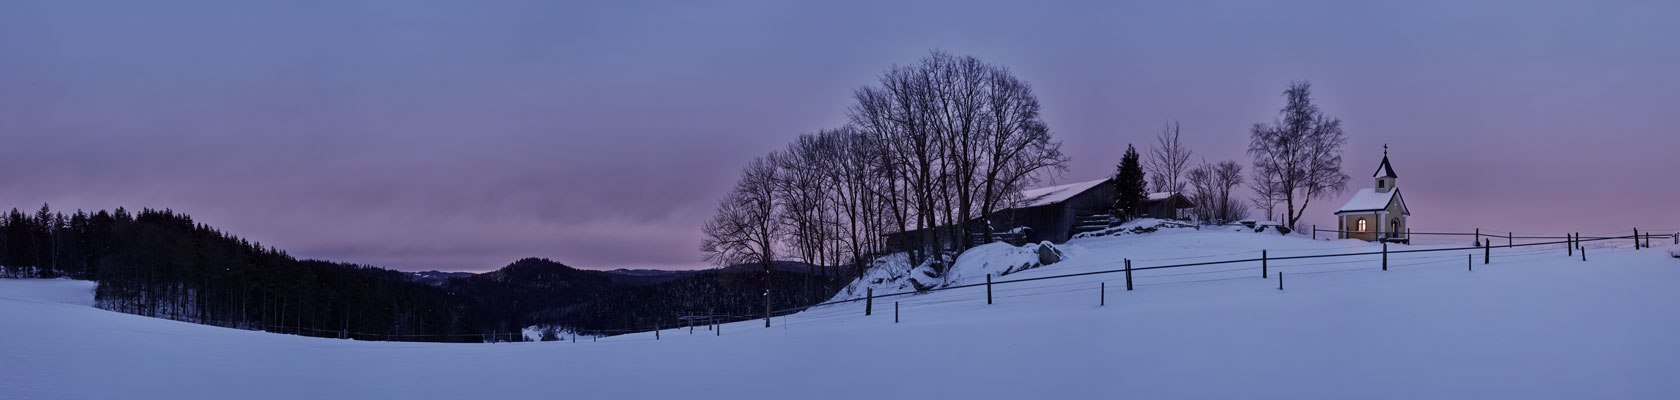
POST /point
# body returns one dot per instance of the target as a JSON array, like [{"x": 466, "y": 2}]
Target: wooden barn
[
  {"x": 1054, "y": 213},
  {"x": 1168, "y": 205}
]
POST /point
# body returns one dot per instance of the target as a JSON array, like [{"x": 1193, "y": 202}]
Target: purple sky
[{"x": 465, "y": 135}]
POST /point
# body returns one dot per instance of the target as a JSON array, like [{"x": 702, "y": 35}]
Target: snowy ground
[{"x": 1534, "y": 324}]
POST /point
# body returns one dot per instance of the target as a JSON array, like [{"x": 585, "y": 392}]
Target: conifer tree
[{"x": 1129, "y": 187}]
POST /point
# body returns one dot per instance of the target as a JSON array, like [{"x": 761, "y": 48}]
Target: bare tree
[
  {"x": 1200, "y": 182},
  {"x": 875, "y": 115},
  {"x": 1210, "y": 192},
  {"x": 1303, "y": 150},
  {"x": 746, "y": 227},
  {"x": 1227, "y": 175},
  {"x": 1167, "y": 161},
  {"x": 849, "y": 167},
  {"x": 1266, "y": 193},
  {"x": 960, "y": 135},
  {"x": 801, "y": 190},
  {"x": 956, "y": 86},
  {"x": 931, "y": 147},
  {"x": 1017, "y": 146}
]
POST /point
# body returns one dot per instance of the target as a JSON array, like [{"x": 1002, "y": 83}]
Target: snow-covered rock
[
  {"x": 1048, "y": 254},
  {"x": 923, "y": 277},
  {"x": 892, "y": 273}
]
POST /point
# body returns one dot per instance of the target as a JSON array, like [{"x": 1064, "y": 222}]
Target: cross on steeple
[{"x": 1385, "y": 150}]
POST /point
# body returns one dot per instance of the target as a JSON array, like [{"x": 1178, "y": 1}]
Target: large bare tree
[
  {"x": 929, "y": 148},
  {"x": 1301, "y": 150},
  {"x": 962, "y": 136},
  {"x": 1018, "y": 146},
  {"x": 746, "y": 226},
  {"x": 1167, "y": 161}
]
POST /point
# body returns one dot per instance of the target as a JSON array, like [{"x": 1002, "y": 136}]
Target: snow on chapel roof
[
  {"x": 1369, "y": 199},
  {"x": 1056, "y": 194}
]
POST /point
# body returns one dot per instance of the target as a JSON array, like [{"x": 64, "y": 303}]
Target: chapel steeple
[{"x": 1385, "y": 173}]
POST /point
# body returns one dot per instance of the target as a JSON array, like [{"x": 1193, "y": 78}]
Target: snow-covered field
[{"x": 1534, "y": 324}]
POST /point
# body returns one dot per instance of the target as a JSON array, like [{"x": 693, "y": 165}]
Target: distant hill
[
  {"x": 536, "y": 291},
  {"x": 630, "y": 275},
  {"x": 648, "y": 272},
  {"x": 163, "y": 264},
  {"x": 437, "y": 278}
]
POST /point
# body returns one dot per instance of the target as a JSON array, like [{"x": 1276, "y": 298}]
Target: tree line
[
  {"x": 929, "y": 148},
  {"x": 934, "y": 146},
  {"x": 162, "y": 264},
  {"x": 1296, "y": 158}
]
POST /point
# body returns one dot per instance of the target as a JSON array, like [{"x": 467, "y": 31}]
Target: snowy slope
[
  {"x": 1148, "y": 242},
  {"x": 1534, "y": 324}
]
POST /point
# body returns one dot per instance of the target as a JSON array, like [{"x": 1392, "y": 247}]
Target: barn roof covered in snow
[
  {"x": 1158, "y": 196},
  {"x": 1056, "y": 194},
  {"x": 1368, "y": 200}
]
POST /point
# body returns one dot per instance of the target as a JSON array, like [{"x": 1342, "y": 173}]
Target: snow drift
[{"x": 1535, "y": 323}]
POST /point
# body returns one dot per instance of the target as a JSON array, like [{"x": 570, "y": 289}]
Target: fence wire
[{"x": 1290, "y": 262}]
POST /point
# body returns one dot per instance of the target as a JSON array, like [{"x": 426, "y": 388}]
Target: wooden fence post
[
  {"x": 895, "y": 312},
  {"x": 1469, "y": 262},
  {"x": 1508, "y": 241},
  {"x": 1583, "y": 253},
  {"x": 1128, "y": 274},
  {"x": 1280, "y": 280},
  {"x": 1636, "y": 238},
  {"x": 1385, "y": 256},
  {"x": 1487, "y": 251},
  {"x": 1315, "y": 232},
  {"x": 1569, "y": 243},
  {"x": 988, "y": 289},
  {"x": 1262, "y": 264},
  {"x": 869, "y": 302},
  {"x": 1102, "y": 294}
]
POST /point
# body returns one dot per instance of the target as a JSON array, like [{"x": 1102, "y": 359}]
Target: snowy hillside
[
  {"x": 1536, "y": 323},
  {"x": 1146, "y": 242}
]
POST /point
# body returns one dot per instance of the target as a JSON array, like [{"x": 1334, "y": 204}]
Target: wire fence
[
  {"x": 1335, "y": 259},
  {"x": 1350, "y": 259}
]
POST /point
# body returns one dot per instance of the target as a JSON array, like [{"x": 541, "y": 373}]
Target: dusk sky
[{"x": 466, "y": 135}]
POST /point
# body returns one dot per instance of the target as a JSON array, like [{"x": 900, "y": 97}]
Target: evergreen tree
[{"x": 1130, "y": 192}]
